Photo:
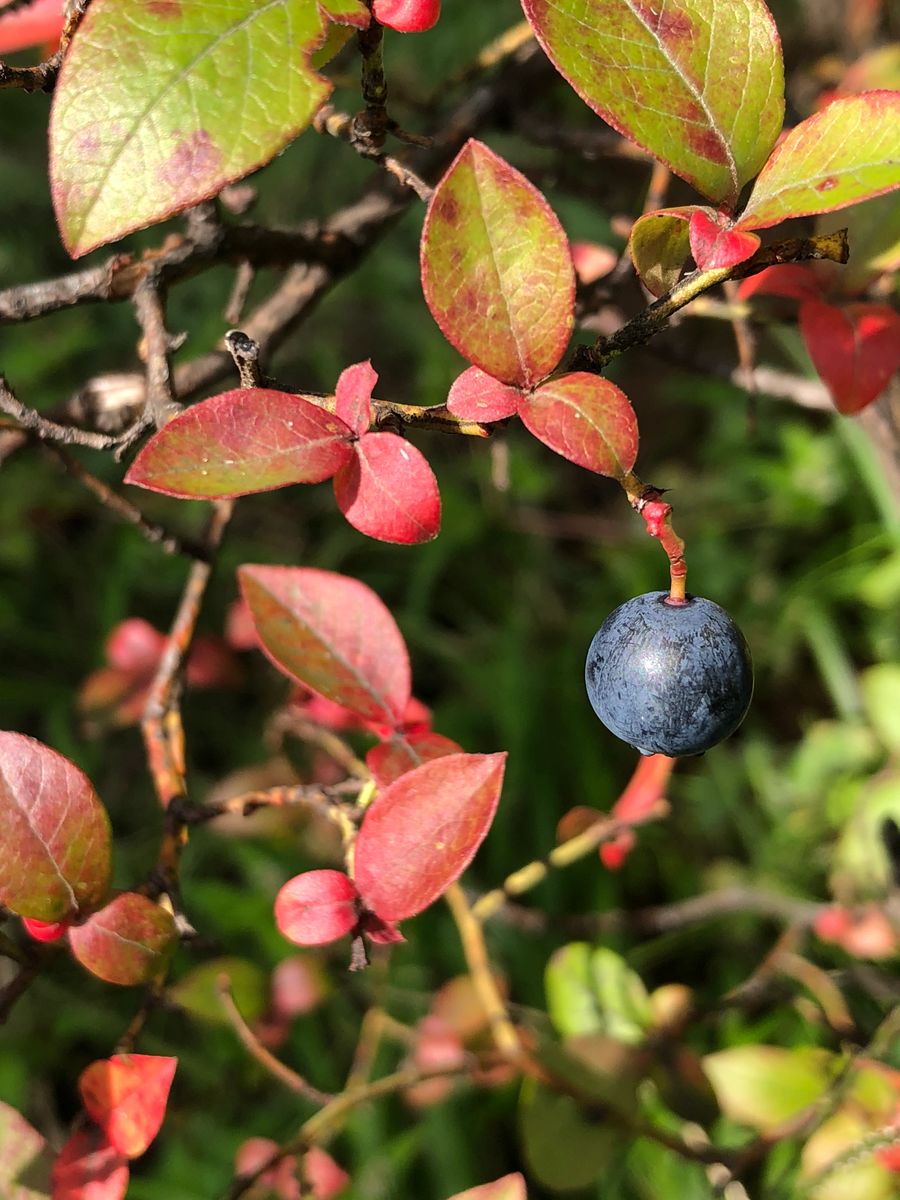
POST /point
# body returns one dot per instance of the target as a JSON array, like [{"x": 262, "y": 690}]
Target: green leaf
[
  {"x": 880, "y": 687},
  {"x": 198, "y": 991},
  {"x": 595, "y": 991},
  {"x": 850, "y": 151},
  {"x": 564, "y": 1150},
  {"x": 861, "y": 867},
  {"x": 698, "y": 84},
  {"x": 764, "y": 1086},
  {"x": 496, "y": 269},
  {"x": 659, "y": 244},
  {"x": 160, "y": 105}
]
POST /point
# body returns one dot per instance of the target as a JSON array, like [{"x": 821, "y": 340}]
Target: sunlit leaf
[
  {"x": 659, "y": 245},
  {"x": 56, "y": 838},
  {"x": 333, "y": 634},
  {"x": 715, "y": 243},
  {"x": 159, "y": 105},
  {"x": 697, "y": 84},
  {"x": 422, "y": 832},
  {"x": 353, "y": 396},
  {"x": 407, "y": 751},
  {"x": 89, "y": 1168},
  {"x": 496, "y": 269},
  {"x": 510, "y": 1187},
  {"x": 317, "y": 907},
  {"x": 850, "y": 151},
  {"x": 476, "y": 396},
  {"x": 855, "y": 349},
  {"x": 587, "y": 420},
  {"x": 128, "y": 942},
  {"x": 595, "y": 991},
  {"x": 243, "y": 441},
  {"x": 388, "y": 491},
  {"x": 764, "y": 1086},
  {"x": 126, "y": 1095}
]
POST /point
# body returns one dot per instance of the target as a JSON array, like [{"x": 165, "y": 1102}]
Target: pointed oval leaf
[
  {"x": 587, "y": 420},
  {"x": 126, "y": 1095},
  {"x": 510, "y": 1187},
  {"x": 595, "y": 991},
  {"x": 565, "y": 1150},
  {"x": 390, "y": 760},
  {"x": 388, "y": 491},
  {"x": 699, "y": 86},
  {"x": 89, "y": 1168},
  {"x": 353, "y": 396},
  {"x": 476, "y": 396},
  {"x": 244, "y": 441},
  {"x": 850, "y": 151},
  {"x": 317, "y": 907},
  {"x": 855, "y": 349},
  {"x": 334, "y": 635},
  {"x": 56, "y": 840},
  {"x": 716, "y": 243},
  {"x": 422, "y": 832},
  {"x": 496, "y": 268},
  {"x": 659, "y": 245},
  {"x": 128, "y": 942},
  {"x": 764, "y": 1086},
  {"x": 193, "y": 97}
]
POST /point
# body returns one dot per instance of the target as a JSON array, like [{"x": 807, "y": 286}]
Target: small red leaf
[
  {"x": 390, "y": 760},
  {"x": 353, "y": 396},
  {"x": 715, "y": 243},
  {"x": 587, "y": 420},
  {"x": 135, "y": 646},
  {"x": 496, "y": 268},
  {"x": 477, "y": 396},
  {"x": 127, "y": 942},
  {"x": 323, "y": 1175},
  {"x": 37, "y": 25},
  {"x": 855, "y": 349},
  {"x": 56, "y": 841},
  {"x": 592, "y": 261},
  {"x": 388, "y": 491},
  {"x": 422, "y": 832},
  {"x": 333, "y": 634},
  {"x": 510, "y": 1187},
  {"x": 316, "y": 907},
  {"x": 645, "y": 787},
  {"x": 89, "y": 1168},
  {"x": 44, "y": 931},
  {"x": 240, "y": 442},
  {"x": 789, "y": 280},
  {"x": 126, "y": 1095}
]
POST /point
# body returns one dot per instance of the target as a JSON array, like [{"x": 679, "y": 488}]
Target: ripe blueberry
[{"x": 669, "y": 678}]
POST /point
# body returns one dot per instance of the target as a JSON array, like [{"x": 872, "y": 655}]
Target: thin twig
[
  {"x": 52, "y": 431},
  {"x": 151, "y": 313}
]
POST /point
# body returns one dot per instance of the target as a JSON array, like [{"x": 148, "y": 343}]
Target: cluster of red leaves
[
  {"x": 864, "y": 931},
  {"x": 125, "y": 1098},
  {"x": 254, "y": 440},
  {"x": 116, "y": 695},
  {"x": 855, "y": 347},
  {"x": 336, "y": 638}
]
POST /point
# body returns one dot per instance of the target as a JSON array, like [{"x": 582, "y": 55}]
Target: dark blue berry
[{"x": 669, "y": 678}]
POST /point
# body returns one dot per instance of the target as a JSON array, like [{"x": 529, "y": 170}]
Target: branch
[{"x": 53, "y": 431}]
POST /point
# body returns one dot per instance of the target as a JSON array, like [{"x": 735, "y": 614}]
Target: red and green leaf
[
  {"x": 334, "y": 635},
  {"x": 126, "y": 1095},
  {"x": 715, "y": 243},
  {"x": 587, "y": 420},
  {"x": 317, "y": 907},
  {"x": 659, "y": 245},
  {"x": 388, "y": 491},
  {"x": 855, "y": 349},
  {"x": 244, "y": 441},
  {"x": 193, "y": 97},
  {"x": 423, "y": 830},
  {"x": 389, "y": 760},
  {"x": 496, "y": 269},
  {"x": 850, "y": 151},
  {"x": 89, "y": 1168},
  {"x": 56, "y": 861},
  {"x": 128, "y": 942},
  {"x": 698, "y": 85}
]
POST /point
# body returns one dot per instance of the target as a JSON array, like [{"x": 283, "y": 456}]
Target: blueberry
[{"x": 669, "y": 678}]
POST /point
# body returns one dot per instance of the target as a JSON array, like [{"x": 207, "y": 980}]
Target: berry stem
[{"x": 648, "y": 502}]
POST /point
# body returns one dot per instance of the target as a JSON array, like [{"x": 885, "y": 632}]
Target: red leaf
[
  {"x": 56, "y": 841},
  {"x": 44, "y": 931},
  {"x": 586, "y": 419},
  {"x": 280, "y": 1180},
  {"x": 316, "y": 907},
  {"x": 790, "y": 280},
  {"x": 89, "y": 1168},
  {"x": 390, "y": 760},
  {"x": 297, "y": 986},
  {"x": 476, "y": 396},
  {"x": 510, "y": 1187},
  {"x": 127, "y": 942},
  {"x": 423, "y": 830},
  {"x": 333, "y": 634},
  {"x": 126, "y": 1095},
  {"x": 388, "y": 491},
  {"x": 323, "y": 1175},
  {"x": 135, "y": 646},
  {"x": 240, "y": 632},
  {"x": 715, "y": 243},
  {"x": 645, "y": 787},
  {"x": 592, "y": 261},
  {"x": 855, "y": 349},
  {"x": 245, "y": 441},
  {"x": 41, "y": 22},
  {"x": 353, "y": 396},
  {"x": 496, "y": 268}
]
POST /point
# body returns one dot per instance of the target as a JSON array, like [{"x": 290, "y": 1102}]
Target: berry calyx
[
  {"x": 45, "y": 931},
  {"x": 407, "y": 16},
  {"x": 671, "y": 679}
]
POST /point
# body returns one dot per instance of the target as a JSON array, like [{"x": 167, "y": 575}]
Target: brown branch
[
  {"x": 311, "y": 795},
  {"x": 346, "y": 128},
  {"x": 161, "y": 404},
  {"x": 372, "y": 124},
  {"x": 52, "y": 431}
]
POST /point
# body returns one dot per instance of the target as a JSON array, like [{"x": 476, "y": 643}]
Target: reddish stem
[{"x": 648, "y": 502}]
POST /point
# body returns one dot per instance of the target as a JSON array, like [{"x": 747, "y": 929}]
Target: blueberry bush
[{"x": 319, "y": 876}]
